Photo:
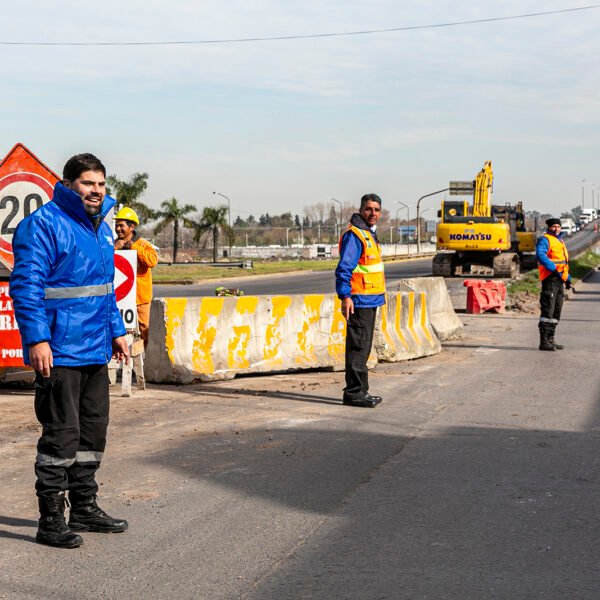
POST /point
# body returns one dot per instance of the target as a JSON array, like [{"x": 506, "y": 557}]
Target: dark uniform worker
[
  {"x": 553, "y": 265},
  {"x": 62, "y": 290},
  {"x": 360, "y": 285}
]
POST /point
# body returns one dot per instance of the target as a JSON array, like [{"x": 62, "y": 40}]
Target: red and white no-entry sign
[{"x": 124, "y": 284}]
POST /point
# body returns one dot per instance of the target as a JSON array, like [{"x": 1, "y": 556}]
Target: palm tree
[
  {"x": 213, "y": 219},
  {"x": 128, "y": 193},
  {"x": 173, "y": 212}
]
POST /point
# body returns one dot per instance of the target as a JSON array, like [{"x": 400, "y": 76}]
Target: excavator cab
[{"x": 452, "y": 210}]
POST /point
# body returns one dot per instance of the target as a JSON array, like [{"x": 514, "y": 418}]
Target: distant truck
[
  {"x": 568, "y": 226},
  {"x": 588, "y": 215}
]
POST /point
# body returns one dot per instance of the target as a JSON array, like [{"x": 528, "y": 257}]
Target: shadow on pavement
[
  {"x": 478, "y": 512},
  {"x": 16, "y": 522},
  {"x": 496, "y": 347},
  {"x": 219, "y": 391}
]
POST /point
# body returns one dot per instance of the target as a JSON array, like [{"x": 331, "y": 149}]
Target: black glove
[{"x": 568, "y": 284}]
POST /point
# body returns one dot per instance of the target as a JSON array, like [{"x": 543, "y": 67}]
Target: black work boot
[
  {"x": 86, "y": 515},
  {"x": 53, "y": 530},
  {"x": 553, "y": 341},
  {"x": 545, "y": 343}
]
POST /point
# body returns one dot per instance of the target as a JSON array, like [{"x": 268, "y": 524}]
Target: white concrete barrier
[
  {"x": 442, "y": 317},
  {"x": 217, "y": 338}
]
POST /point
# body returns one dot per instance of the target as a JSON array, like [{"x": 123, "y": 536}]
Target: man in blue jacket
[
  {"x": 62, "y": 291},
  {"x": 360, "y": 285}
]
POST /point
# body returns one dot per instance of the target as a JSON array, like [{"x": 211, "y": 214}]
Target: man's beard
[{"x": 92, "y": 211}]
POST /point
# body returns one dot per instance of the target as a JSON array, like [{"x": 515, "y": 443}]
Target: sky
[{"x": 279, "y": 125}]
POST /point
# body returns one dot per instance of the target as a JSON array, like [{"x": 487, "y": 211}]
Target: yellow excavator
[{"x": 482, "y": 238}]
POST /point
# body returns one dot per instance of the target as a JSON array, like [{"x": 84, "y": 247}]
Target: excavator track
[
  {"x": 507, "y": 265},
  {"x": 442, "y": 265}
]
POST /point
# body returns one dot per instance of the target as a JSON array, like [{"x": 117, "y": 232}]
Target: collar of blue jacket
[{"x": 71, "y": 203}]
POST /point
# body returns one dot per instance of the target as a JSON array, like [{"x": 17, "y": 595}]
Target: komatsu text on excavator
[{"x": 482, "y": 239}]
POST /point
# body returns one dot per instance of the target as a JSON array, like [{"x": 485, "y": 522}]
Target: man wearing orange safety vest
[
  {"x": 126, "y": 220},
  {"x": 360, "y": 285},
  {"x": 553, "y": 264}
]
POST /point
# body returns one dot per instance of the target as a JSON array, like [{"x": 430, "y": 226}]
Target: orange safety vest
[
  {"x": 559, "y": 255},
  {"x": 367, "y": 278}
]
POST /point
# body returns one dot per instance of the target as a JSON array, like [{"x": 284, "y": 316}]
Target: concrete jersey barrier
[
  {"x": 403, "y": 331},
  {"x": 211, "y": 338},
  {"x": 444, "y": 320}
]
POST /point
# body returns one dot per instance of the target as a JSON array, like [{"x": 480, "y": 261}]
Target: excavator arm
[{"x": 482, "y": 197}]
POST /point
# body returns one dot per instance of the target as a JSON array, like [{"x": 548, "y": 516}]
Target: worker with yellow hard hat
[{"x": 126, "y": 220}]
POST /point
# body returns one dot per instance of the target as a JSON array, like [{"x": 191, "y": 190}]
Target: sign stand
[{"x": 136, "y": 365}]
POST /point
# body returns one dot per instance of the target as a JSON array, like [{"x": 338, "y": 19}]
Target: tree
[
  {"x": 213, "y": 219},
  {"x": 173, "y": 212},
  {"x": 128, "y": 193}
]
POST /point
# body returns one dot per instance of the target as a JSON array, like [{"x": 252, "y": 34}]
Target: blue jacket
[
  {"x": 350, "y": 251},
  {"x": 62, "y": 283},
  {"x": 541, "y": 252}
]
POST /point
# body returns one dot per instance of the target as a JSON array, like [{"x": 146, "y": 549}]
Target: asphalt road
[
  {"x": 322, "y": 282},
  {"x": 477, "y": 478},
  {"x": 317, "y": 282}
]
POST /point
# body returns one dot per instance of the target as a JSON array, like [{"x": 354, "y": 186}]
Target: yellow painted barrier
[
  {"x": 218, "y": 338},
  {"x": 404, "y": 331}
]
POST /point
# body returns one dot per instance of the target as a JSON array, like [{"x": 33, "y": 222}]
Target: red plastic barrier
[{"x": 483, "y": 296}]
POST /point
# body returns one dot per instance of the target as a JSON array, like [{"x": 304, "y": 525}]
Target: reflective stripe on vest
[
  {"x": 559, "y": 255},
  {"x": 83, "y": 291},
  {"x": 376, "y": 268}
]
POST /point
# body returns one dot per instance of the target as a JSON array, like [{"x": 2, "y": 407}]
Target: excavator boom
[{"x": 482, "y": 197}]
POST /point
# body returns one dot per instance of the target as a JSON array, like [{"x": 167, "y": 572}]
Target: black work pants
[
  {"x": 72, "y": 406},
  {"x": 359, "y": 339},
  {"x": 551, "y": 302}
]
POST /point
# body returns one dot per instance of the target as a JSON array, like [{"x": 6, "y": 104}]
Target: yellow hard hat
[{"x": 127, "y": 214}]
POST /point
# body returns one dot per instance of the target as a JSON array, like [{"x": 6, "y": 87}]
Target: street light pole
[
  {"x": 582, "y": 193},
  {"x": 397, "y": 225},
  {"x": 229, "y": 219},
  {"x": 418, "y": 225},
  {"x": 340, "y": 225},
  {"x": 426, "y": 210},
  {"x": 408, "y": 221}
]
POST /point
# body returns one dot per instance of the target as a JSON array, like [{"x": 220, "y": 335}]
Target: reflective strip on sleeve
[
  {"x": 88, "y": 456},
  {"x": 547, "y": 320},
  {"x": 83, "y": 291},
  {"x": 54, "y": 461}
]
